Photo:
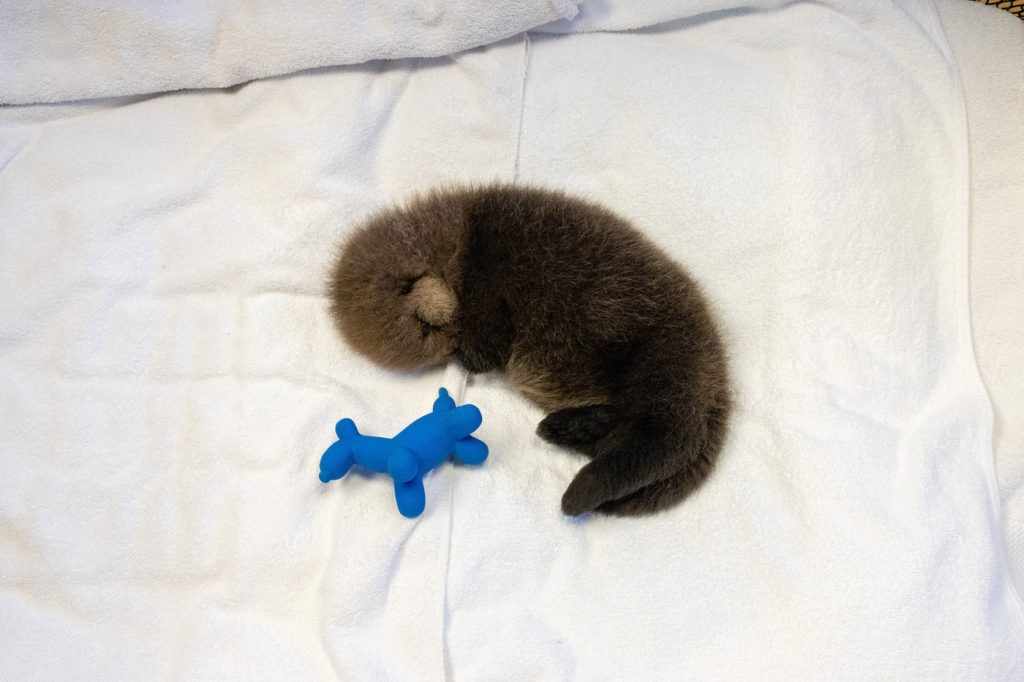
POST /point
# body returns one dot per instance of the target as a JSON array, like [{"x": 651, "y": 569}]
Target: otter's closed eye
[
  {"x": 427, "y": 328},
  {"x": 406, "y": 285}
]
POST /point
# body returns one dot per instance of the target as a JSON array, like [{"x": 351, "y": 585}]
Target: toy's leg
[
  {"x": 577, "y": 427},
  {"x": 402, "y": 464},
  {"x": 411, "y": 497},
  {"x": 470, "y": 450},
  {"x": 336, "y": 462}
]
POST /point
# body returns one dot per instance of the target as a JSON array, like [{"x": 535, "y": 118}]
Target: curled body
[{"x": 583, "y": 314}]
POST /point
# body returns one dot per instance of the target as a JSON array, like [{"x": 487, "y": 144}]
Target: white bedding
[
  {"x": 171, "y": 377},
  {"x": 989, "y": 49},
  {"x": 59, "y": 50}
]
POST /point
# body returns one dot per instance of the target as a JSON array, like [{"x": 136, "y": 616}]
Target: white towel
[
  {"x": 990, "y": 49},
  {"x": 612, "y": 15},
  {"x": 56, "y": 50},
  {"x": 810, "y": 165},
  {"x": 171, "y": 376}
]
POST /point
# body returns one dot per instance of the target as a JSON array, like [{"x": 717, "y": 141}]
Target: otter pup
[{"x": 584, "y": 315}]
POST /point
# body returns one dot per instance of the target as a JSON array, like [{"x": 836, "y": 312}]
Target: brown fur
[{"x": 586, "y": 317}]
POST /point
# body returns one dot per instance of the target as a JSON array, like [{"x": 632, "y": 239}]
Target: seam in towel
[
  {"x": 522, "y": 105},
  {"x": 459, "y": 389},
  {"x": 446, "y": 659}
]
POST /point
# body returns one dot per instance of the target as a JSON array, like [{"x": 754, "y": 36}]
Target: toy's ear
[
  {"x": 434, "y": 300},
  {"x": 444, "y": 402}
]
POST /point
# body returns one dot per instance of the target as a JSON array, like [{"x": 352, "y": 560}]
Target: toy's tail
[
  {"x": 668, "y": 432},
  {"x": 338, "y": 459},
  {"x": 336, "y": 462},
  {"x": 346, "y": 428}
]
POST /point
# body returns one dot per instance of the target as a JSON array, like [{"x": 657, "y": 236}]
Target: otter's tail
[{"x": 671, "y": 426}]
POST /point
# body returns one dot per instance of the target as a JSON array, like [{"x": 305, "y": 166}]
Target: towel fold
[{"x": 57, "y": 50}]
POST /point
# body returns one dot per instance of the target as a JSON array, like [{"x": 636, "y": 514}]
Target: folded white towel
[{"x": 56, "y": 50}]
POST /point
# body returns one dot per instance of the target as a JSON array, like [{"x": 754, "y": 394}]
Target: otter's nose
[{"x": 434, "y": 300}]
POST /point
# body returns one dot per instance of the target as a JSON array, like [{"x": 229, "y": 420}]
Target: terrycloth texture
[
  {"x": 56, "y": 50},
  {"x": 989, "y": 46},
  {"x": 171, "y": 377},
  {"x": 615, "y": 15},
  {"x": 810, "y": 166}
]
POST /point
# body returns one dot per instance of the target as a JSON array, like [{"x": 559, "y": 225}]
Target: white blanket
[
  {"x": 57, "y": 50},
  {"x": 985, "y": 41},
  {"x": 171, "y": 376}
]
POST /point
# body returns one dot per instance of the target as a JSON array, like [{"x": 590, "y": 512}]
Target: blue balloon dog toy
[{"x": 407, "y": 457}]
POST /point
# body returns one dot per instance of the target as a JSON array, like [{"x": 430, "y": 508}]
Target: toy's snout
[{"x": 463, "y": 421}]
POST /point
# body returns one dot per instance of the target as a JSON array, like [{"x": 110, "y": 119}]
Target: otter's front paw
[
  {"x": 577, "y": 426},
  {"x": 475, "y": 362}
]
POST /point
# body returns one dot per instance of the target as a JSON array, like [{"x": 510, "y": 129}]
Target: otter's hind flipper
[
  {"x": 656, "y": 496},
  {"x": 650, "y": 469},
  {"x": 675, "y": 404},
  {"x": 626, "y": 466}
]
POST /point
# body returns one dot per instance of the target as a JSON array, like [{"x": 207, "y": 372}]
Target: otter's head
[{"x": 391, "y": 288}]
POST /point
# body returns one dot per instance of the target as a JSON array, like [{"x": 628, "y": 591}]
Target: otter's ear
[{"x": 434, "y": 300}]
